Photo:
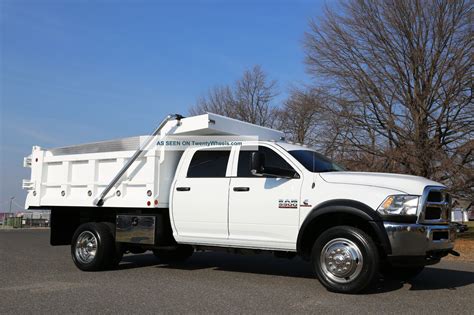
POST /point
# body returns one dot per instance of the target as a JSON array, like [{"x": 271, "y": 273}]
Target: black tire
[
  {"x": 117, "y": 256},
  {"x": 179, "y": 254},
  {"x": 402, "y": 273},
  {"x": 118, "y": 251},
  {"x": 105, "y": 255},
  {"x": 345, "y": 247}
]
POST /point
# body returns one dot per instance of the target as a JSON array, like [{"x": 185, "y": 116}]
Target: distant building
[
  {"x": 462, "y": 211},
  {"x": 28, "y": 218},
  {"x": 35, "y": 218},
  {"x": 4, "y": 216}
]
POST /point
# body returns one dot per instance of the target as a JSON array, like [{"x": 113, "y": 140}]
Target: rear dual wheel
[{"x": 93, "y": 247}]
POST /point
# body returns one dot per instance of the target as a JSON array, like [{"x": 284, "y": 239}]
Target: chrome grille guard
[{"x": 444, "y": 205}]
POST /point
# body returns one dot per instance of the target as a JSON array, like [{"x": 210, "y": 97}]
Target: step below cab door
[
  {"x": 263, "y": 210},
  {"x": 200, "y": 196}
]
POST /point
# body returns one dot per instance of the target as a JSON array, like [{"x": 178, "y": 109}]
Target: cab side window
[
  {"x": 272, "y": 159},
  {"x": 209, "y": 163}
]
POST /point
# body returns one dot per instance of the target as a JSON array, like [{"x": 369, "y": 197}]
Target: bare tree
[
  {"x": 401, "y": 74},
  {"x": 219, "y": 100},
  {"x": 249, "y": 99},
  {"x": 298, "y": 116}
]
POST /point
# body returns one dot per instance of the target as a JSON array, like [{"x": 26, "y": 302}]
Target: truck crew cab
[{"x": 258, "y": 193}]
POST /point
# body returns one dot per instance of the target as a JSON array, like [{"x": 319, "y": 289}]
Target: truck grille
[{"x": 435, "y": 206}]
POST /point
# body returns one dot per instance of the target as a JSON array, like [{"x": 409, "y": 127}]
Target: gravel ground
[{"x": 38, "y": 278}]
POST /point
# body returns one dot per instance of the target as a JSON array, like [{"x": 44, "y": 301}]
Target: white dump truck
[{"x": 172, "y": 194}]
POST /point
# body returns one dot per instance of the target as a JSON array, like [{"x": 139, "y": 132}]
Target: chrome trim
[
  {"x": 136, "y": 229},
  {"x": 124, "y": 144},
  {"x": 341, "y": 260},
  {"x": 408, "y": 239},
  {"x": 445, "y": 206},
  {"x": 86, "y": 247}
]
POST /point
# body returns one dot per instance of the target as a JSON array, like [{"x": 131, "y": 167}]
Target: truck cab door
[
  {"x": 200, "y": 196},
  {"x": 264, "y": 211}
]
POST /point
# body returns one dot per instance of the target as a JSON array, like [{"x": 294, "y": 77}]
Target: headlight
[{"x": 399, "y": 205}]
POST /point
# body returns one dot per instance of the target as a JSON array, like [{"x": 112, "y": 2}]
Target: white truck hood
[{"x": 408, "y": 184}]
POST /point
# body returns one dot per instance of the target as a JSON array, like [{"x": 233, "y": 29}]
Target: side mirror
[
  {"x": 258, "y": 168},
  {"x": 257, "y": 163}
]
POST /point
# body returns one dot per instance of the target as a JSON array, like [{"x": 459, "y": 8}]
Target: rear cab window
[{"x": 208, "y": 163}]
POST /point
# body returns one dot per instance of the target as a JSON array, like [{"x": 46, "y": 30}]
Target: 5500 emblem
[{"x": 288, "y": 203}]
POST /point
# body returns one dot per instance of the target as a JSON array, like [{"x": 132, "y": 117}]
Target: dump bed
[
  {"x": 75, "y": 176},
  {"x": 76, "y": 179}
]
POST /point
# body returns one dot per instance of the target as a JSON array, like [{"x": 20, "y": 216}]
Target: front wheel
[{"x": 345, "y": 259}]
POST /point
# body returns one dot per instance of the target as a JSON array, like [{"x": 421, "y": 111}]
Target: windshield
[{"x": 315, "y": 162}]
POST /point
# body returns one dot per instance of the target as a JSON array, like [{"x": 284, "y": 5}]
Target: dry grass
[
  {"x": 466, "y": 248},
  {"x": 465, "y": 245},
  {"x": 469, "y": 234}
]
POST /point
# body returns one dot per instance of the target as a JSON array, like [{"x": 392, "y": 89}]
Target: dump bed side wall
[{"x": 77, "y": 180}]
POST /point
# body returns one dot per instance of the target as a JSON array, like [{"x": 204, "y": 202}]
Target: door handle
[
  {"x": 183, "y": 188},
  {"x": 241, "y": 188}
]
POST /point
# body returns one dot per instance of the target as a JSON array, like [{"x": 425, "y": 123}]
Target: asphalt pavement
[{"x": 38, "y": 278}]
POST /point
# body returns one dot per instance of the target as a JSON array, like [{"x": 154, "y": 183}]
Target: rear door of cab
[{"x": 200, "y": 195}]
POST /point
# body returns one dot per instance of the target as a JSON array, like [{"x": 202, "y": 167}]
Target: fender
[{"x": 352, "y": 207}]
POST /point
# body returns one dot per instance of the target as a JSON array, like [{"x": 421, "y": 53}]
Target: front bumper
[{"x": 419, "y": 240}]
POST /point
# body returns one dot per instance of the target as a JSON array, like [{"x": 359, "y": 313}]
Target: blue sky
[{"x": 81, "y": 71}]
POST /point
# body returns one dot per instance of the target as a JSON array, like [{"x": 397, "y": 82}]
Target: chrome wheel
[
  {"x": 341, "y": 260},
  {"x": 86, "y": 247}
]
